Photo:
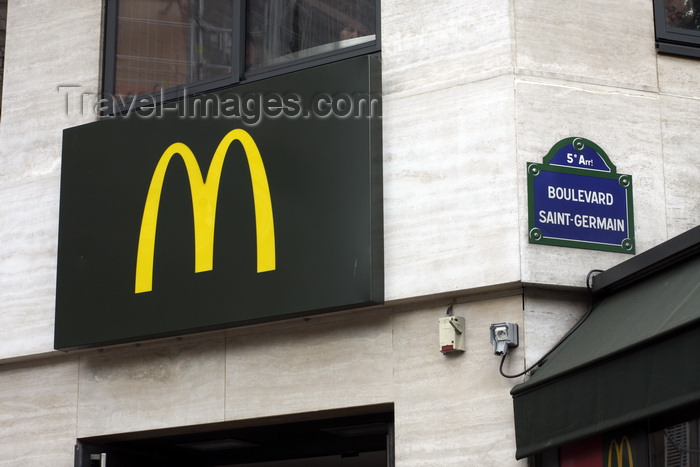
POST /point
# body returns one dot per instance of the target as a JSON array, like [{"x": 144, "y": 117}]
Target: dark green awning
[{"x": 637, "y": 356}]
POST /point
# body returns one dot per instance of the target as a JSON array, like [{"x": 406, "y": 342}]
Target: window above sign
[
  {"x": 677, "y": 25},
  {"x": 171, "y": 48}
]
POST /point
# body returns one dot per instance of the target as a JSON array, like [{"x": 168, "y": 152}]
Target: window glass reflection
[
  {"x": 279, "y": 31},
  {"x": 167, "y": 43},
  {"x": 682, "y": 14}
]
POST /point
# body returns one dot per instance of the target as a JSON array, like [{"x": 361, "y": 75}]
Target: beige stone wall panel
[
  {"x": 38, "y": 412},
  {"x": 311, "y": 364},
  {"x": 454, "y": 409},
  {"x": 28, "y": 233},
  {"x": 48, "y": 44},
  {"x": 596, "y": 41},
  {"x": 678, "y": 76},
  {"x": 547, "y": 316},
  {"x": 449, "y": 203},
  {"x": 434, "y": 45},
  {"x": 681, "y": 162},
  {"x": 152, "y": 386}
]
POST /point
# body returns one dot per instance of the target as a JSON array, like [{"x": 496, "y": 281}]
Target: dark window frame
[
  {"x": 239, "y": 74},
  {"x": 674, "y": 41}
]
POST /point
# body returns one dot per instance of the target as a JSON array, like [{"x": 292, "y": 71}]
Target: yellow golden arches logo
[
  {"x": 204, "y": 193},
  {"x": 620, "y": 449}
]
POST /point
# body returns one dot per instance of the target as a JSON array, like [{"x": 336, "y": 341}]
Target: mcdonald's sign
[
  {"x": 174, "y": 225},
  {"x": 621, "y": 448},
  {"x": 620, "y": 453},
  {"x": 205, "y": 192}
]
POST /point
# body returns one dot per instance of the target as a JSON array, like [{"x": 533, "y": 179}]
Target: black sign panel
[{"x": 255, "y": 203}]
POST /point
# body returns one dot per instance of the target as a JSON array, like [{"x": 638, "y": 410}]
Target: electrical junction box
[{"x": 452, "y": 337}]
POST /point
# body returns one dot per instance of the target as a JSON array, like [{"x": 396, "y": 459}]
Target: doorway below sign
[{"x": 327, "y": 439}]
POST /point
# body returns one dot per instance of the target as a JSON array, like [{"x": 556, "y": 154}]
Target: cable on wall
[{"x": 566, "y": 336}]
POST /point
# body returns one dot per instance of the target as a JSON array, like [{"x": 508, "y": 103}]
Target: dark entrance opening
[{"x": 319, "y": 439}]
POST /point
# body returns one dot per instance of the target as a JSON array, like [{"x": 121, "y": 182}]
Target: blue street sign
[{"x": 577, "y": 199}]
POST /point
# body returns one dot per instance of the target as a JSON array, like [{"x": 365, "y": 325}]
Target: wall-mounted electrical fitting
[
  {"x": 503, "y": 336},
  {"x": 452, "y": 334}
]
